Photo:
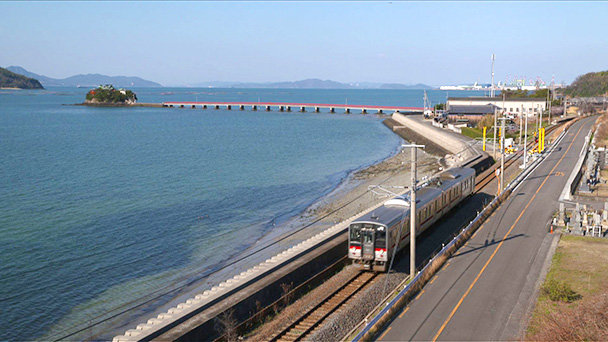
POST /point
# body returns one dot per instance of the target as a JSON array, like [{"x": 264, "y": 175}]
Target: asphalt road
[{"x": 485, "y": 291}]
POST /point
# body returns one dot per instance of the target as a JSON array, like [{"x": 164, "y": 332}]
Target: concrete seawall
[{"x": 460, "y": 151}]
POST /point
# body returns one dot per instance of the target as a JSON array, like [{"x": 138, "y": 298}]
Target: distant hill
[
  {"x": 89, "y": 80},
  {"x": 404, "y": 86},
  {"x": 9, "y": 79},
  {"x": 590, "y": 84},
  {"x": 313, "y": 83}
]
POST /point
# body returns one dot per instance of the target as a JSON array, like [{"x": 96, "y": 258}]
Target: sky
[{"x": 184, "y": 43}]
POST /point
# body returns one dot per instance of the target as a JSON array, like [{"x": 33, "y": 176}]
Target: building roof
[
  {"x": 497, "y": 98},
  {"x": 474, "y": 109}
]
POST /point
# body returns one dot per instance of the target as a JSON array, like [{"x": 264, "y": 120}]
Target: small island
[
  {"x": 10, "y": 80},
  {"x": 107, "y": 95}
]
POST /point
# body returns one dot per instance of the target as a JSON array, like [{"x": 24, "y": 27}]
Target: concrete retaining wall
[{"x": 455, "y": 146}]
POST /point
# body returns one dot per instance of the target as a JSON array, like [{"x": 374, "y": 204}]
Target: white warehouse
[{"x": 514, "y": 106}]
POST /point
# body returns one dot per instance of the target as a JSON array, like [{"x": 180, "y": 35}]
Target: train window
[
  {"x": 355, "y": 232},
  {"x": 368, "y": 237},
  {"x": 380, "y": 236}
]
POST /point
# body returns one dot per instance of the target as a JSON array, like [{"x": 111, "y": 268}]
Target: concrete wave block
[
  {"x": 183, "y": 305},
  {"x": 119, "y": 338},
  {"x": 168, "y": 314},
  {"x": 155, "y": 320},
  {"x": 193, "y": 301},
  {"x": 174, "y": 311},
  {"x": 143, "y": 326},
  {"x": 132, "y": 332}
]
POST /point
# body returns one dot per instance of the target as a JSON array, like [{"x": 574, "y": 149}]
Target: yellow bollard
[{"x": 484, "y": 139}]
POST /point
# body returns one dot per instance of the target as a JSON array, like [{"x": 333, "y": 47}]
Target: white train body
[{"x": 367, "y": 235}]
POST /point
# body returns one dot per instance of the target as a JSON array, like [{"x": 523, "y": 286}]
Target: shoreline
[{"x": 349, "y": 197}]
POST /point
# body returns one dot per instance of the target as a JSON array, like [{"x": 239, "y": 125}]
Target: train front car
[
  {"x": 368, "y": 235},
  {"x": 367, "y": 238}
]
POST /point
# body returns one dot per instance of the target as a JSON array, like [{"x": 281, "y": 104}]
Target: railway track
[
  {"x": 313, "y": 318},
  {"x": 483, "y": 180}
]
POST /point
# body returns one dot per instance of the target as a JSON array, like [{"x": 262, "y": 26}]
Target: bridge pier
[
  {"x": 289, "y": 108},
  {"x": 332, "y": 110},
  {"x": 204, "y": 106},
  {"x": 242, "y": 107},
  {"x": 380, "y": 111},
  {"x": 217, "y": 106},
  {"x": 347, "y": 111},
  {"x": 302, "y": 109},
  {"x": 268, "y": 108},
  {"x": 229, "y": 107},
  {"x": 181, "y": 106},
  {"x": 281, "y": 108},
  {"x": 254, "y": 108},
  {"x": 193, "y": 106},
  {"x": 363, "y": 111},
  {"x": 317, "y": 109}
]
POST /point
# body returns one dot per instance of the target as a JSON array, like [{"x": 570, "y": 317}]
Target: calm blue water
[{"x": 99, "y": 206}]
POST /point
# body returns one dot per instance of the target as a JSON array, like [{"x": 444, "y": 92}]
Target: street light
[{"x": 414, "y": 148}]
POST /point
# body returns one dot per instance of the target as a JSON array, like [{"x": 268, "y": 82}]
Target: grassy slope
[{"x": 581, "y": 262}]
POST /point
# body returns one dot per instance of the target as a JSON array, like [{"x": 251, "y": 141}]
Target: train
[{"x": 373, "y": 236}]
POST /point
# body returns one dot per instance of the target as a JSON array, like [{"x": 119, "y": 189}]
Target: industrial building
[{"x": 511, "y": 106}]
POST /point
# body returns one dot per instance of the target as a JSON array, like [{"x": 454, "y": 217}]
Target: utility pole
[
  {"x": 549, "y": 95},
  {"x": 502, "y": 155},
  {"x": 494, "y": 144},
  {"x": 525, "y": 137},
  {"x": 521, "y": 121},
  {"x": 414, "y": 148},
  {"x": 492, "y": 89}
]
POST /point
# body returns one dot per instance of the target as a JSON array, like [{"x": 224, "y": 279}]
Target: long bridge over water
[{"x": 288, "y": 107}]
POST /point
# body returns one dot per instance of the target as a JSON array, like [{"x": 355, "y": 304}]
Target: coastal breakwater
[{"x": 439, "y": 141}]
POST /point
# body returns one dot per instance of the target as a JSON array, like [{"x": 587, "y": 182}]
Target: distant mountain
[
  {"x": 9, "y": 79},
  {"x": 46, "y": 81},
  {"x": 404, "y": 86},
  {"x": 312, "y": 83},
  {"x": 89, "y": 80}
]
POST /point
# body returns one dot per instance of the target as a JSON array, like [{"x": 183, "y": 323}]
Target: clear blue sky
[{"x": 177, "y": 43}]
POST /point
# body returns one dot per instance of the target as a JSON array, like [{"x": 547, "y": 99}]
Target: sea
[{"x": 109, "y": 212}]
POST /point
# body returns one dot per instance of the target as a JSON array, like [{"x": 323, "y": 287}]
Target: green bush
[{"x": 559, "y": 291}]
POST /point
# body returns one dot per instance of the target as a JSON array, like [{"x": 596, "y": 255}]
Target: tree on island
[{"x": 108, "y": 94}]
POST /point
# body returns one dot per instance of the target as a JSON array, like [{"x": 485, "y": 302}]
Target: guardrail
[{"x": 394, "y": 306}]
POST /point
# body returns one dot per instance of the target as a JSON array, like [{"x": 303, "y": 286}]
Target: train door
[{"x": 368, "y": 247}]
